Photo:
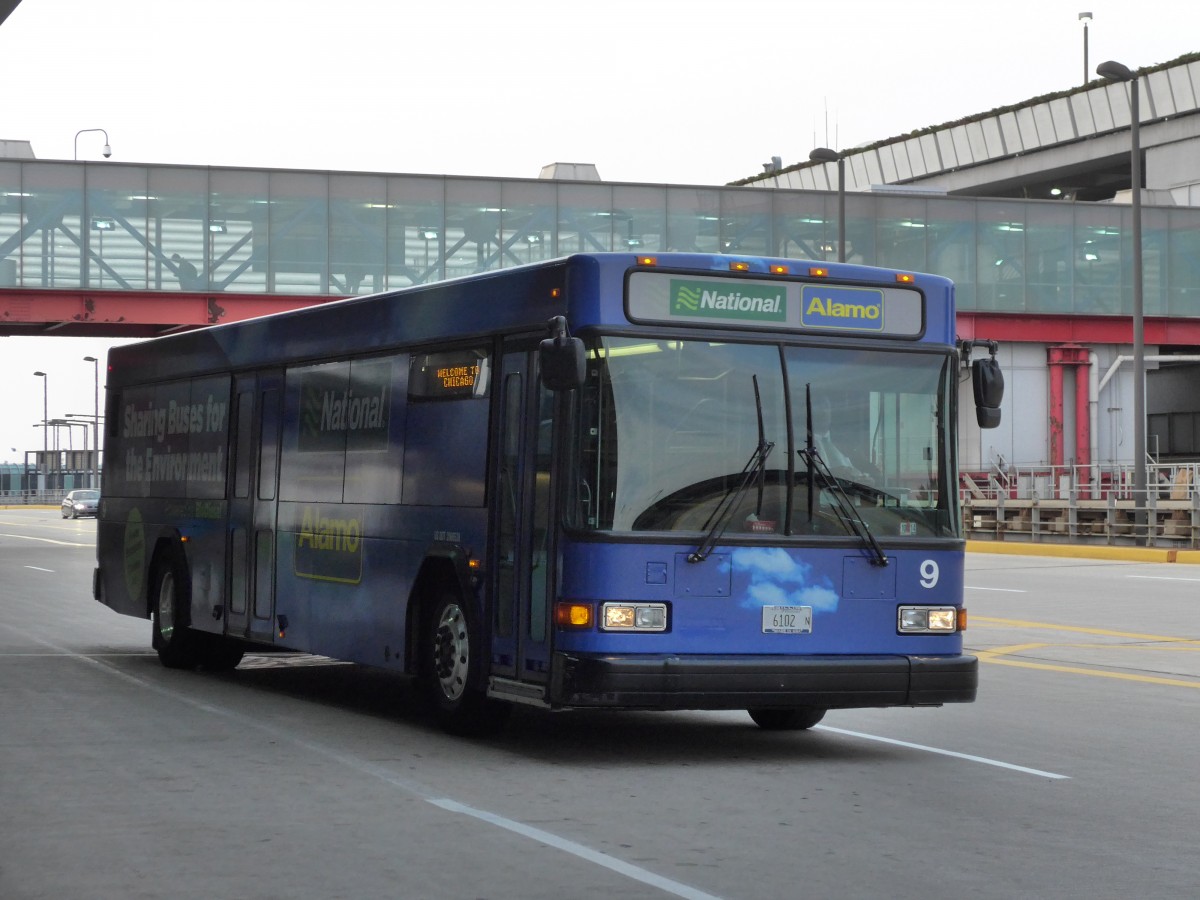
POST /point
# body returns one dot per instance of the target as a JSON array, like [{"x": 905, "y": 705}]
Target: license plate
[{"x": 787, "y": 619}]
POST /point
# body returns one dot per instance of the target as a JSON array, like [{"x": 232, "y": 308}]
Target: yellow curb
[{"x": 1084, "y": 551}]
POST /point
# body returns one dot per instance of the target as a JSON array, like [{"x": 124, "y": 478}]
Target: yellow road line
[
  {"x": 1096, "y": 673},
  {"x": 1008, "y": 651},
  {"x": 1049, "y": 626},
  {"x": 1002, "y": 656}
]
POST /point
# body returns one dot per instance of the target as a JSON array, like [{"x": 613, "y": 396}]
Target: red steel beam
[
  {"x": 132, "y": 313},
  {"x": 1059, "y": 329},
  {"x": 149, "y": 313}
]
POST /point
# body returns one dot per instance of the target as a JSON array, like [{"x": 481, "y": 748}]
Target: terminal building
[{"x": 1026, "y": 208}]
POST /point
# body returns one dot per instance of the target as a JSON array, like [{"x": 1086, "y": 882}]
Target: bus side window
[
  {"x": 268, "y": 444},
  {"x": 243, "y": 454}
]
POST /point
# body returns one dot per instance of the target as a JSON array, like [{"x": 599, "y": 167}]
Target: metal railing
[{"x": 1089, "y": 504}]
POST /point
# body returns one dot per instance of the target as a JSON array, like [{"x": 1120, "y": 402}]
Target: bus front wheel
[
  {"x": 219, "y": 654},
  {"x": 787, "y": 719},
  {"x": 174, "y": 641},
  {"x": 450, "y": 662}
]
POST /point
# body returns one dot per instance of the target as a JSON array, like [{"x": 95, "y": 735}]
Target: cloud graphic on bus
[{"x": 776, "y": 578}]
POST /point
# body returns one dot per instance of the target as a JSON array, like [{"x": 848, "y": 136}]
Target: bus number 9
[{"x": 929, "y": 573}]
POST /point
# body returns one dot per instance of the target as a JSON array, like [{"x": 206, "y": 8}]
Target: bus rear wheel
[
  {"x": 796, "y": 719},
  {"x": 175, "y": 642},
  {"x": 450, "y": 663}
]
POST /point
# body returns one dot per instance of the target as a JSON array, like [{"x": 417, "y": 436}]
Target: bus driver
[{"x": 838, "y": 462}]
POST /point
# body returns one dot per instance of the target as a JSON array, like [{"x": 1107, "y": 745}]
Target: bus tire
[
  {"x": 219, "y": 654},
  {"x": 177, "y": 645},
  {"x": 450, "y": 661},
  {"x": 797, "y": 719}
]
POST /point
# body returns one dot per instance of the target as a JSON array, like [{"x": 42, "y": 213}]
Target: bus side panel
[
  {"x": 130, "y": 533},
  {"x": 345, "y": 574},
  {"x": 164, "y": 484},
  {"x": 121, "y": 568}
]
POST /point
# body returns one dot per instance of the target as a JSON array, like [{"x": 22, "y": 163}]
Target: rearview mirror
[
  {"x": 562, "y": 359},
  {"x": 988, "y": 382}
]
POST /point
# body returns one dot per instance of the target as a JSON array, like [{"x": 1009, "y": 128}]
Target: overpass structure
[
  {"x": 1069, "y": 146},
  {"x": 1016, "y": 206}
]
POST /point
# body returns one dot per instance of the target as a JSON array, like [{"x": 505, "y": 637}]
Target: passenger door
[
  {"x": 522, "y": 554},
  {"x": 252, "y": 495}
]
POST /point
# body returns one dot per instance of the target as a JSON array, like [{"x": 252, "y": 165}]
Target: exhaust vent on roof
[
  {"x": 560, "y": 171},
  {"x": 16, "y": 150}
]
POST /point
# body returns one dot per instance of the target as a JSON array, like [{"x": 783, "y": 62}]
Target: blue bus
[{"x": 682, "y": 481}]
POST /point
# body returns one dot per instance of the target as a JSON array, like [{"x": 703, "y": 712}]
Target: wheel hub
[
  {"x": 451, "y": 652},
  {"x": 166, "y": 607}
]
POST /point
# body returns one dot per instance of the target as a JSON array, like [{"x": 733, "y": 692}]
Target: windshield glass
[{"x": 668, "y": 429}]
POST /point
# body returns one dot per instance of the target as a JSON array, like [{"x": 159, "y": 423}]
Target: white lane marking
[
  {"x": 967, "y": 756},
  {"x": 373, "y": 770},
  {"x": 26, "y": 537},
  {"x": 1161, "y": 578},
  {"x": 586, "y": 853},
  {"x": 40, "y": 569},
  {"x": 971, "y": 587}
]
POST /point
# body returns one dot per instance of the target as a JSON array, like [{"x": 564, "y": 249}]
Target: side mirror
[
  {"x": 562, "y": 360},
  {"x": 988, "y": 382}
]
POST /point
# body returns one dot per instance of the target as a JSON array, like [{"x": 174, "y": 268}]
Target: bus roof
[{"x": 517, "y": 299}]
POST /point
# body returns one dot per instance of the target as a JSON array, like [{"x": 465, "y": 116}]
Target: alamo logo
[
  {"x": 728, "y": 300},
  {"x": 855, "y": 309}
]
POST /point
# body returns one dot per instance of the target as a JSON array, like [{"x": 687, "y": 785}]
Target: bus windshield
[{"x": 671, "y": 430}]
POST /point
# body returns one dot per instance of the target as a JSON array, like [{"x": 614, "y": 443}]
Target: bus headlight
[
  {"x": 927, "y": 620},
  {"x": 633, "y": 617}
]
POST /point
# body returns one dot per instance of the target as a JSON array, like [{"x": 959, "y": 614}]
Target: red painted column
[
  {"x": 1056, "y": 405},
  {"x": 1083, "y": 426},
  {"x": 1058, "y": 357}
]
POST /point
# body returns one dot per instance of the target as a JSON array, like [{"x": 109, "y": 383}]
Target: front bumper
[{"x": 743, "y": 682}]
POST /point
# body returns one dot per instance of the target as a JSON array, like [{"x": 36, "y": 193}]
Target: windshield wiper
[
  {"x": 756, "y": 465},
  {"x": 847, "y": 511}
]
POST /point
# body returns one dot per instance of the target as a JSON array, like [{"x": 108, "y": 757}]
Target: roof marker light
[
  {"x": 739, "y": 267},
  {"x": 777, "y": 269},
  {"x": 647, "y": 260},
  {"x": 818, "y": 271},
  {"x": 905, "y": 277}
]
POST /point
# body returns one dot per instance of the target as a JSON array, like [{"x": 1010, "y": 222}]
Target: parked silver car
[{"x": 80, "y": 503}]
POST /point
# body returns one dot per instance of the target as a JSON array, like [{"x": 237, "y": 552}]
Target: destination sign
[
  {"x": 448, "y": 375},
  {"x": 816, "y": 307}
]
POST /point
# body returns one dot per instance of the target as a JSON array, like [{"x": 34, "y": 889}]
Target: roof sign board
[{"x": 816, "y": 307}]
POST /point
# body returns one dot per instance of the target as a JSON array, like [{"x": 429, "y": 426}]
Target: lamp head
[
  {"x": 1114, "y": 71},
  {"x": 107, "y": 151}
]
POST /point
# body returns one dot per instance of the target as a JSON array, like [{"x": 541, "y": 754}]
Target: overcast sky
[{"x": 650, "y": 91}]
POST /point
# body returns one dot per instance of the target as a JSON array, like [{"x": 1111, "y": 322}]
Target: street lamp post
[
  {"x": 95, "y": 425},
  {"x": 107, "y": 151},
  {"x": 45, "y": 414},
  {"x": 1085, "y": 17},
  {"x": 1115, "y": 71},
  {"x": 824, "y": 154}
]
